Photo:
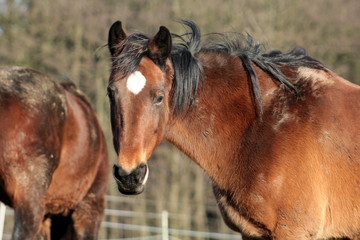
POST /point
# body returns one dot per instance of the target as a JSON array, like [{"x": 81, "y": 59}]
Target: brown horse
[
  {"x": 278, "y": 133},
  {"x": 53, "y": 157}
]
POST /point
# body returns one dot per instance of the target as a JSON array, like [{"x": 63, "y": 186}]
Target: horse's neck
[{"x": 212, "y": 131}]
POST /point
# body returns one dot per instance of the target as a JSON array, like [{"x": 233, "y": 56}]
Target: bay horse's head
[{"x": 139, "y": 88}]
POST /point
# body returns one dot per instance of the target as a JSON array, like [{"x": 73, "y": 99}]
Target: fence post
[
  {"x": 2, "y": 218},
  {"x": 165, "y": 225}
]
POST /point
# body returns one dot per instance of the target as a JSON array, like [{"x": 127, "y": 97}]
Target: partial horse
[
  {"x": 53, "y": 157},
  {"x": 278, "y": 133}
]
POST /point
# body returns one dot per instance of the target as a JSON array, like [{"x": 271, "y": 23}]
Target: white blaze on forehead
[{"x": 136, "y": 82}]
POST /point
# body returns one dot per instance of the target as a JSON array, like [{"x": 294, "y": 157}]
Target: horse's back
[{"x": 33, "y": 88}]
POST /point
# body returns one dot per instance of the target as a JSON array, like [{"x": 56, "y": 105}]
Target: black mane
[
  {"x": 188, "y": 68},
  {"x": 188, "y": 75}
]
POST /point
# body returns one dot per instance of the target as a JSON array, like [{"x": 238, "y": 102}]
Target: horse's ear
[
  {"x": 160, "y": 47},
  {"x": 116, "y": 35}
]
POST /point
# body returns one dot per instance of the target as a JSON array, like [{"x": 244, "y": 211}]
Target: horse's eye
[{"x": 158, "y": 99}]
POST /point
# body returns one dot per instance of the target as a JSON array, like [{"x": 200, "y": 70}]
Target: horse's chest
[{"x": 236, "y": 215}]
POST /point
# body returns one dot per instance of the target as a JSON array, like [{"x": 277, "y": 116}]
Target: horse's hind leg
[
  {"x": 89, "y": 212},
  {"x": 30, "y": 182},
  {"x": 87, "y": 218},
  {"x": 29, "y": 212}
]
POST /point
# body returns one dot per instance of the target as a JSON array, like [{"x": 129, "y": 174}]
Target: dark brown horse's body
[
  {"x": 53, "y": 157},
  {"x": 277, "y": 133}
]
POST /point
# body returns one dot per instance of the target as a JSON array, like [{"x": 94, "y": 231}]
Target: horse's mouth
[{"x": 129, "y": 190}]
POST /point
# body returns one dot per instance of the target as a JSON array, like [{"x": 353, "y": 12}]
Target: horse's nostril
[
  {"x": 140, "y": 172},
  {"x": 118, "y": 172}
]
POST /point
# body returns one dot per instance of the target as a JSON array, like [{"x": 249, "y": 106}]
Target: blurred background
[{"x": 68, "y": 39}]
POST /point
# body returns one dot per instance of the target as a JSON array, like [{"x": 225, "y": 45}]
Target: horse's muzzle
[{"x": 131, "y": 183}]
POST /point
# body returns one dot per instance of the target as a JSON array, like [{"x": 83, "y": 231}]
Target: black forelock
[{"x": 132, "y": 49}]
